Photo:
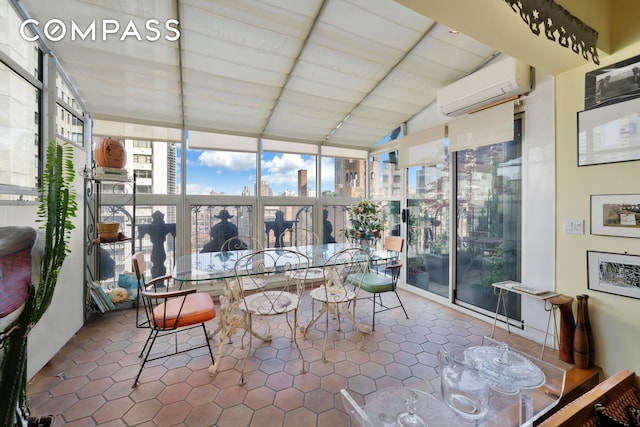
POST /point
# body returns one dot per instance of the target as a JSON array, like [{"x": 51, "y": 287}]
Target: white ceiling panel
[{"x": 303, "y": 70}]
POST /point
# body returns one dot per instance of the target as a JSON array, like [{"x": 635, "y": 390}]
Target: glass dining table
[{"x": 218, "y": 269}]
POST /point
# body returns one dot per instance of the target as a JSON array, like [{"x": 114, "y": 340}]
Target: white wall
[
  {"x": 65, "y": 315},
  {"x": 538, "y": 195}
]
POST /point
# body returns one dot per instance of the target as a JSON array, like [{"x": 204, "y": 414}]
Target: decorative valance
[{"x": 559, "y": 25}]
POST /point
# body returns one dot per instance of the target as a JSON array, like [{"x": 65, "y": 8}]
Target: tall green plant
[{"x": 57, "y": 208}]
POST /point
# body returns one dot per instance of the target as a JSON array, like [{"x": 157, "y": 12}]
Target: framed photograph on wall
[
  {"x": 609, "y": 134},
  {"x": 617, "y": 274},
  {"x": 615, "y": 215},
  {"x": 613, "y": 83}
]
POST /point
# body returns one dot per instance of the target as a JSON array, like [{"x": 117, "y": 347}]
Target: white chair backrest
[
  {"x": 239, "y": 243},
  {"x": 284, "y": 269},
  {"x": 298, "y": 236},
  {"x": 353, "y": 262}
]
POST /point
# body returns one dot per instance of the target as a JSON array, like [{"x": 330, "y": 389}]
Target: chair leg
[
  {"x": 206, "y": 337},
  {"x": 373, "y": 322},
  {"x": 146, "y": 343},
  {"x": 401, "y": 305},
  {"x": 326, "y": 334},
  {"x": 244, "y": 365},
  {"x": 295, "y": 339},
  {"x": 150, "y": 340}
]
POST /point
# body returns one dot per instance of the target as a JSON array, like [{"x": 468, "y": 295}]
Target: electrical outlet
[{"x": 573, "y": 226}]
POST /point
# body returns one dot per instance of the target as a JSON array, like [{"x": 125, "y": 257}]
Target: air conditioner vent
[{"x": 498, "y": 82}]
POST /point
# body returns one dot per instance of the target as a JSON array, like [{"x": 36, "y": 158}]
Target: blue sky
[{"x": 230, "y": 172}]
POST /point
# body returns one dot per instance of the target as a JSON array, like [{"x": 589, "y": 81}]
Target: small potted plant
[{"x": 366, "y": 218}]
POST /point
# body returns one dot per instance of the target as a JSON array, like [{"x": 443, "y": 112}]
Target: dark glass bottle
[{"x": 580, "y": 338}]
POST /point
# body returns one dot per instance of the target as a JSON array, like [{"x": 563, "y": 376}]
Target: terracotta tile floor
[{"x": 88, "y": 383}]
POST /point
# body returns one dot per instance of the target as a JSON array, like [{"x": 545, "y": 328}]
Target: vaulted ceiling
[{"x": 341, "y": 72}]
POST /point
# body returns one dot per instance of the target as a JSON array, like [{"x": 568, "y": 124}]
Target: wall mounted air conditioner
[{"x": 494, "y": 84}]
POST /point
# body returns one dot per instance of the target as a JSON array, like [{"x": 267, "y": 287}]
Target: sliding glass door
[
  {"x": 488, "y": 222},
  {"x": 428, "y": 227},
  {"x": 459, "y": 254}
]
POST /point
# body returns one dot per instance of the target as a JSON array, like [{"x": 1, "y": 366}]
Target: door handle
[{"x": 405, "y": 215}]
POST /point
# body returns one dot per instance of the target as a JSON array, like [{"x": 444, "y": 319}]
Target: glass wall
[
  {"x": 428, "y": 227},
  {"x": 214, "y": 227},
  {"x": 385, "y": 178},
  {"x": 343, "y": 177},
  {"x": 69, "y": 117},
  {"x": 334, "y": 223},
  {"x": 216, "y": 172},
  {"x": 488, "y": 227},
  {"x": 287, "y": 174},
  {"x": 20, "y": 120},
  {"x": 289, "y": 225}
]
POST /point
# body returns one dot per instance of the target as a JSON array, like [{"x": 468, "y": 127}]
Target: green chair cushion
[{"x": 371, "y": 282}]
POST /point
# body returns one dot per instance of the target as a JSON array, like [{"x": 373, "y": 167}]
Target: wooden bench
[{"x": 581, "y": 412}]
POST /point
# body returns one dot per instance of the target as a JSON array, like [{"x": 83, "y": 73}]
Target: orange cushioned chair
[{"x": 169, "y": 312}]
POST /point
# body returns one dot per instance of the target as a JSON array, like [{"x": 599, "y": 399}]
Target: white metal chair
[
  {"x": 281, "y": 297},
  {"x": 384, "y": 279},
  {"x": 169, "y": 312},
  {"x": 299, "y": 236},
  {"x": 335, "y": 294}
]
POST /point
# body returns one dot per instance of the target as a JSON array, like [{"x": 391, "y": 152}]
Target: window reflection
[
  {"x": 428, "y": 227},
  {"x": 385, "y": 176},
  {"x": 212, "y": 225},
  {"x": 489, "y": 200},
  {"x": 289, "y": 226},
  {"x": 20, "y": 116}
]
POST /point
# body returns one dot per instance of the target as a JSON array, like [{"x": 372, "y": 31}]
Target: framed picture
[
  {"x": 615, "y": 215},
  {"x": 609, "y": 134},
  {"x": 613, "y": 83},
  {"x": 617, "y": 274}
]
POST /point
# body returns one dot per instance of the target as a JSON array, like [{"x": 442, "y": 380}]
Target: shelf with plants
[{"x": 109, "y": 202}]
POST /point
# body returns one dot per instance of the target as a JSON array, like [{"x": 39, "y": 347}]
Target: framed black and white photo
[
  {"x": 615, "y": 215},
  {"x": 612, "y": 273},
  {"x": 609, "y": 134},
  {"x": 611, "y": 84}
]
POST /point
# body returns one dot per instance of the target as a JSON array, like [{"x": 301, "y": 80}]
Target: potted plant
[
  {"x": 366, "y": 218},
  {"x": 57, "y": 207}
]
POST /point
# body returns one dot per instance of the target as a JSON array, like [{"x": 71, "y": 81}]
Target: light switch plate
[{"x": 574, "y": 226}]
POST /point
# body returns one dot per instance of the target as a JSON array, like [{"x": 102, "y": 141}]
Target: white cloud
[
  {"x": 328, "y": 171},
  {"x": 199, "y": 188},
  {"x": 283, "y": 169},
  {"x": 228, "y": 160}
]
